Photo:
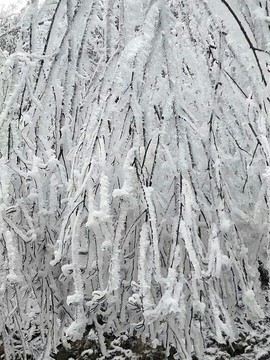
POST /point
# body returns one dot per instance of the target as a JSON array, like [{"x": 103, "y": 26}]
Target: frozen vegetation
[{"x": 135, "y": 180}]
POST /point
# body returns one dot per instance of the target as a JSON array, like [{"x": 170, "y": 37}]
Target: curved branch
[{"x": 253, "y": 48}]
